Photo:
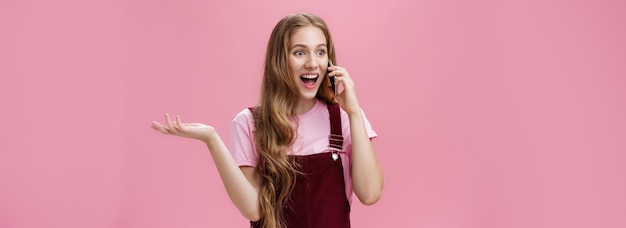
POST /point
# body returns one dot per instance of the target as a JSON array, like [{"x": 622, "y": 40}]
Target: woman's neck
[{"x": 304, "y": 106}]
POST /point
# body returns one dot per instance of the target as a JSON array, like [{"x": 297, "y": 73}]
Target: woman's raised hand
[
  {"x": 188, "y": 130},
  {"x": 347, "y": 96}
]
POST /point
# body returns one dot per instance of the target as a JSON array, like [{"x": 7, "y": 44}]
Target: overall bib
[{"x": 318, "y": 198}]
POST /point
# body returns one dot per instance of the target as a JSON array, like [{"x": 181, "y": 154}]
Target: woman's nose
[{"x": 311, "y": 63}]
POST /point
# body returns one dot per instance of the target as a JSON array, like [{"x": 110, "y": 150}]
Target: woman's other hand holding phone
[{"x": 346, "y": 96}]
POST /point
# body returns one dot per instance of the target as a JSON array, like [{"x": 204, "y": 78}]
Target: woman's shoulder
[{"x": 244, "y": 117}]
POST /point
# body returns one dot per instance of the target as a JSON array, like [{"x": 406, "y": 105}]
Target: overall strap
[{"x": 335, "y": 139}]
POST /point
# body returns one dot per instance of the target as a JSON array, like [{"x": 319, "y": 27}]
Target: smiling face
[{"x": 308, "y": 60}]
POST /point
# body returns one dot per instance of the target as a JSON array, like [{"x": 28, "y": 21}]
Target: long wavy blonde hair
[{"x": 275, "y": 131}]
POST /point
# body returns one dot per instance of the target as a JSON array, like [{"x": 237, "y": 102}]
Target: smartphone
[{"x": 332, "y": 78}]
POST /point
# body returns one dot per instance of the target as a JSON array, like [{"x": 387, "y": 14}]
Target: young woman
[{"x": 298, "y": 156}]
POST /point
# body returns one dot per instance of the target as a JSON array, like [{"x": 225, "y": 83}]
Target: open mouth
[{"x": 309, "y": 80}]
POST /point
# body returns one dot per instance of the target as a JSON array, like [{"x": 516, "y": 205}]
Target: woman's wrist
[
  {"x": 211, "y": 138},
  {"x": 354, "y": 111},
  {"x": 355, "y": 117}
]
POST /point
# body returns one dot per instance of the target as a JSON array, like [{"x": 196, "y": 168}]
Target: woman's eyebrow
[{"x": 304, "y": 46}]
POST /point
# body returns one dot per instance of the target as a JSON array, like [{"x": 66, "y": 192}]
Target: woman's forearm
[
  {"x": 241, "y": 190},
  {"x": 367, "y": 177}
]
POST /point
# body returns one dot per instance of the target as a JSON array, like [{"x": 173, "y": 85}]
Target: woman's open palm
[{"x": 188, "y": 130}]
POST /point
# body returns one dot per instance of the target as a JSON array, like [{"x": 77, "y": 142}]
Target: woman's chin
[{"x": 308, "y": 95}]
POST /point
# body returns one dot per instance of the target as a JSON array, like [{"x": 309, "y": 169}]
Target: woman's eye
[
  {"x": 321, "y": 52},
  {"x": 298, "y": 53}
]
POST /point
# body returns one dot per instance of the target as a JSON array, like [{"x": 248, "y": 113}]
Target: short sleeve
[
  {"x": 370, "y": 132},
  {"x": 242, "y": 139}
]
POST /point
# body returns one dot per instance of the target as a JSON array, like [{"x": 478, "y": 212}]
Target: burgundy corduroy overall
[{"x": 318, "y": 198}]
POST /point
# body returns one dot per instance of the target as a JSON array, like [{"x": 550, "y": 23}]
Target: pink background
[{"x": 490, "y": 113}]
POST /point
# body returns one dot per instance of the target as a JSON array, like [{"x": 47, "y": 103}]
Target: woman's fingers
[
  {"x": 179, "y": 125},
  {"x": 333, "y": 68},
  {"x": 335, "y": 72},
  {"x": 338, "y": 72},
  {"x": 170, "y": 124},
  {"x": 342, "y": 79},
  {"x": 175, "y": 127},
  {"x": 158, "y": 127},
  {"x": 343, "y": 82}
]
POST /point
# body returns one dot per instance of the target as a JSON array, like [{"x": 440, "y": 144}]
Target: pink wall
[{"x": 490, "y": 114}]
